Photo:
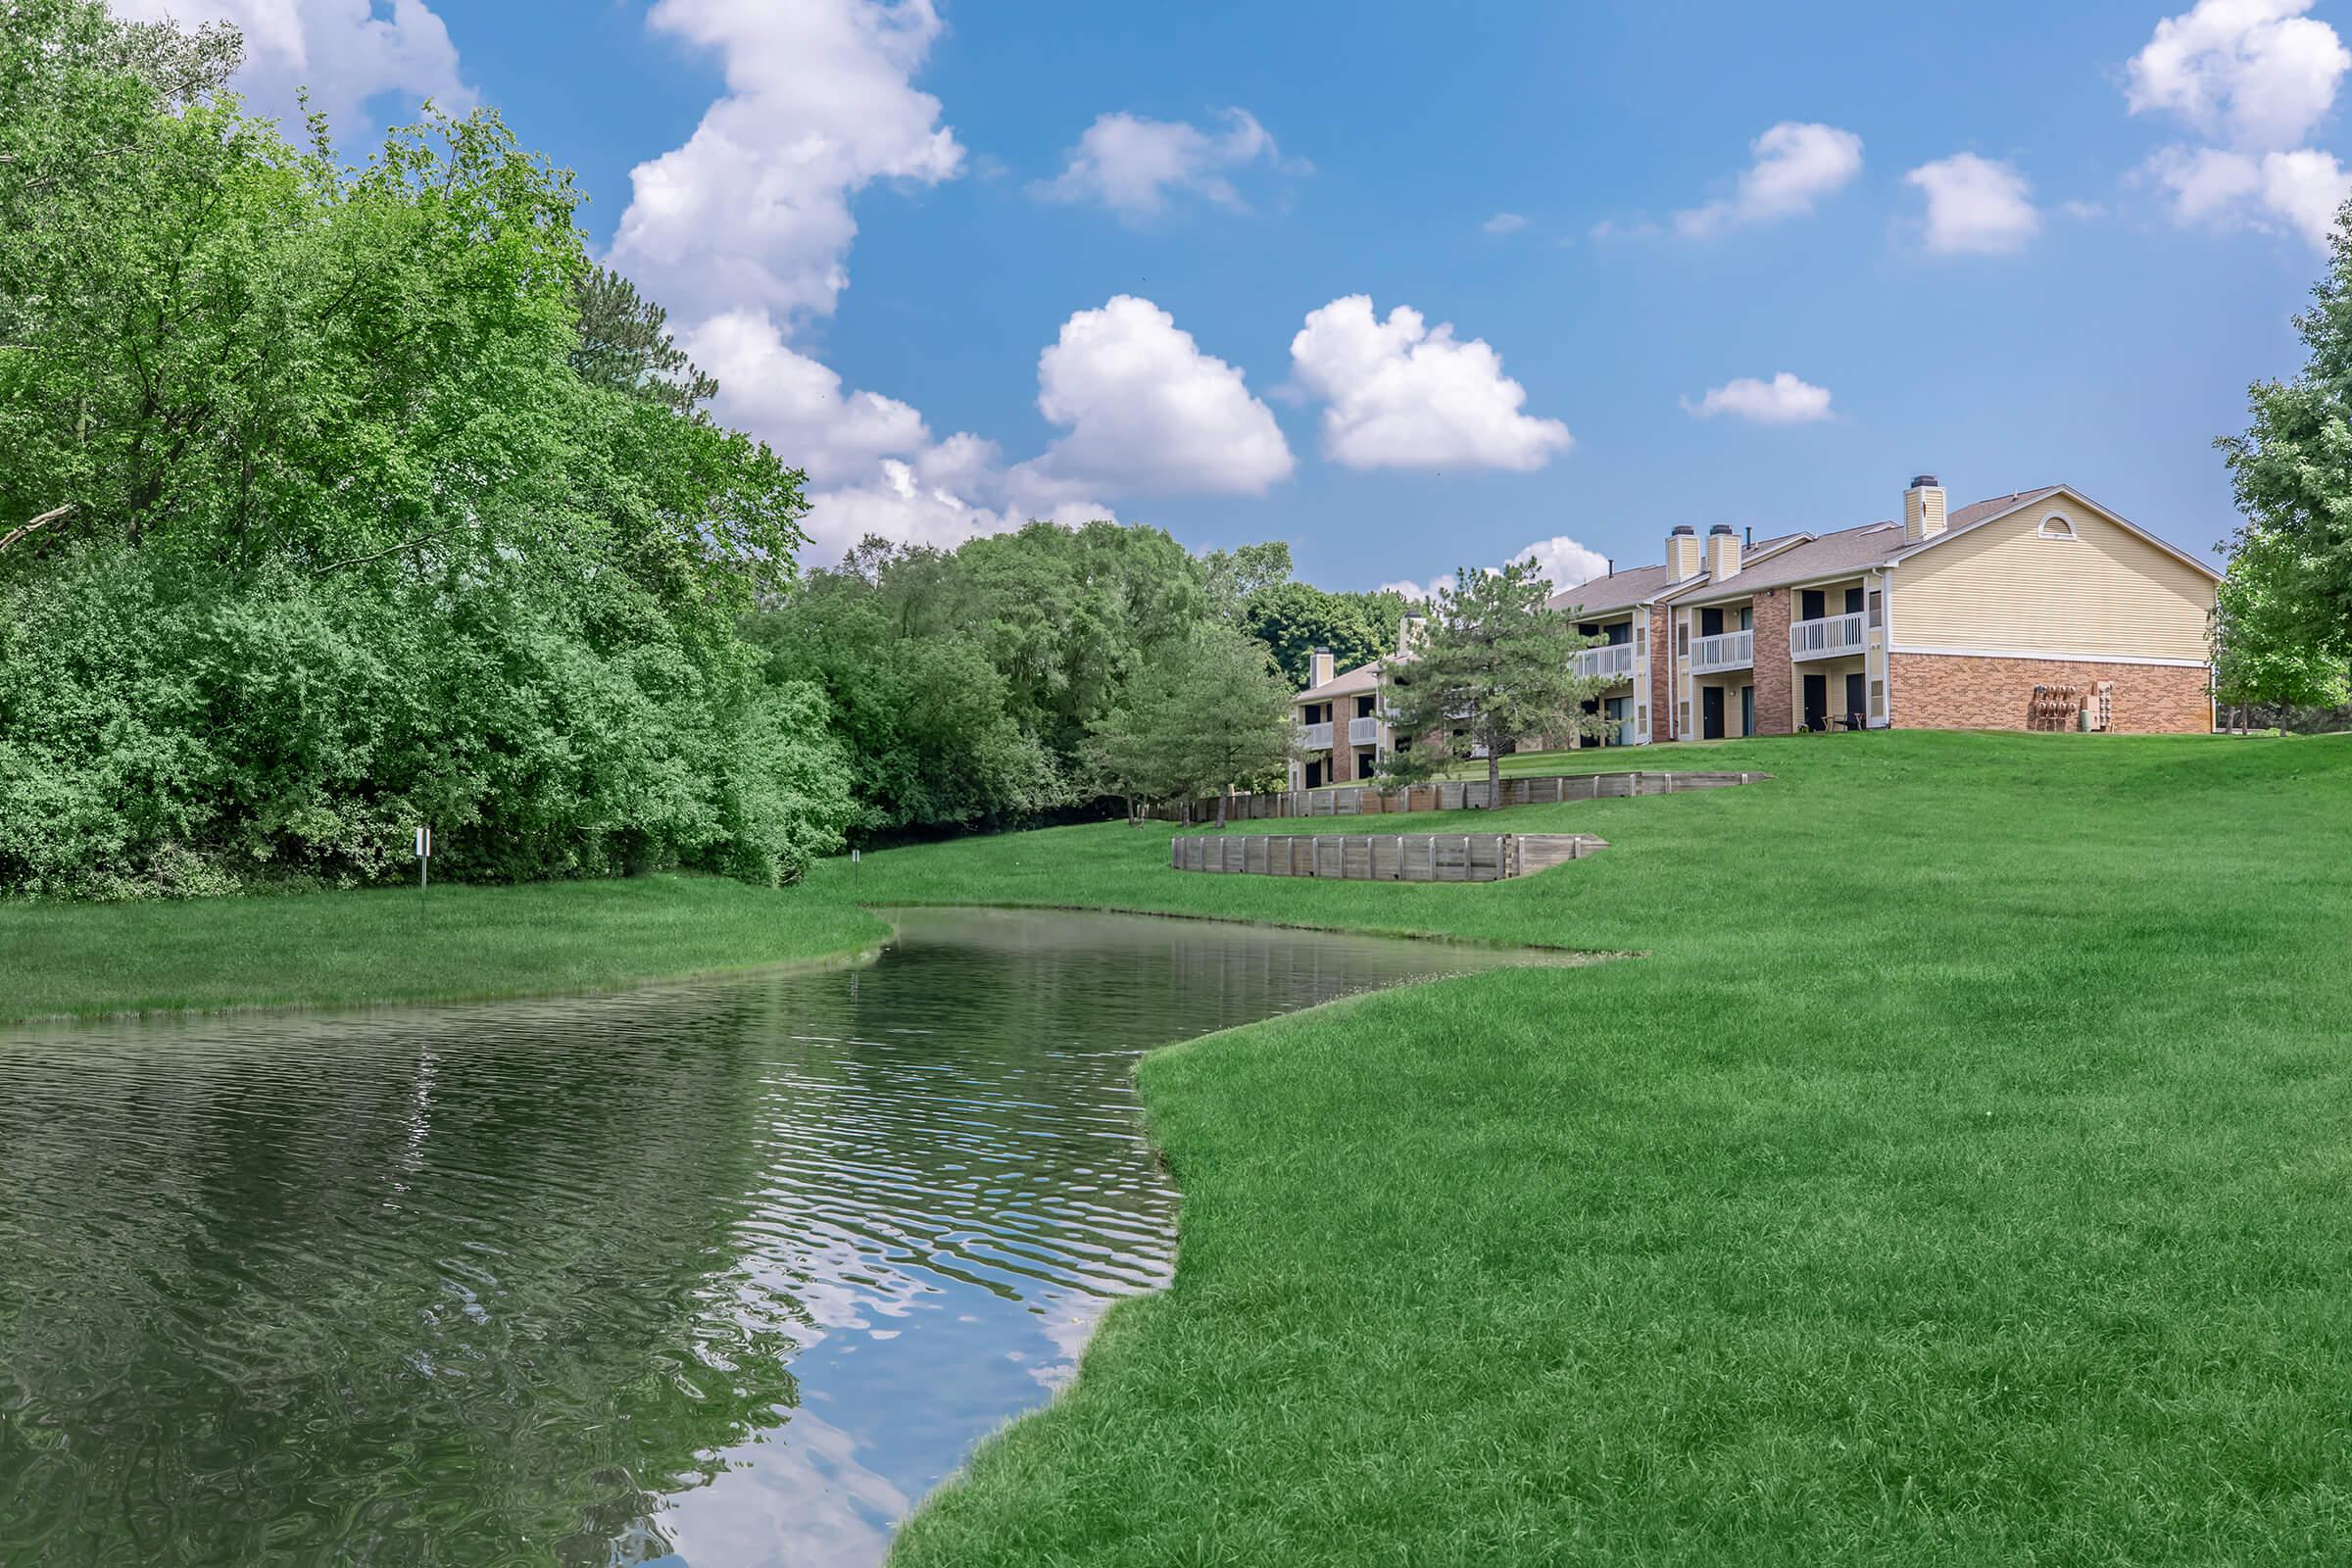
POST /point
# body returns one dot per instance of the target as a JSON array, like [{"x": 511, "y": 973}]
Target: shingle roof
[
  {"x": 1347, "y": 683},
  {"x": 1604, "y": 595},
  {"x": 1827, "y": 554}
]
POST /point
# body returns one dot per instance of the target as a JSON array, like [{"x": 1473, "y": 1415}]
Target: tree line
[{"x": 338, "y": 498}]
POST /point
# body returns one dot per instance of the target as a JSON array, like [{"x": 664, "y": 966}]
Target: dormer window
[{"x": 2055, "y": 526}]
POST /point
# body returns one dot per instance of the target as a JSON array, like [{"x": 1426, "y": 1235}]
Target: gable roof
[
  {"x": 1820, "y": 555},
  {"x": 1983, "y": 511}
]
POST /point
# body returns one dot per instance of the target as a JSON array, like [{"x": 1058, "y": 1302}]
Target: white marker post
[{"x": 425, "y": 854}]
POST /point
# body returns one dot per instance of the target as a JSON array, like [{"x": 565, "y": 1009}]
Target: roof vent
[
  {"x": 1922, "y": 481},
  {"x": 1721, "y": 527}
]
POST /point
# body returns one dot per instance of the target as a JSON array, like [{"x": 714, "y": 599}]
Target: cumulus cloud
[
  {"x": 1504, "y": 224},
  {"x": 1402, "y": 394},
  {"x": 753, "y": 212},
  {"x": 1131, "y": 164},
  {"x": 2256, "y": 77},
  {"x": 2258, "y": 74},
  {"x": 341, "y": 51},
  {"x": 1782, "y": 400},
  {"x": 1564, "y": 561},
  {"x": 1794, "y": 165},
  {"x": 1976, "y": 206},
  {"x": 1147, "y": 410}
]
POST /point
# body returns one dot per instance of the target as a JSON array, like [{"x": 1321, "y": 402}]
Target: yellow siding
[{"x": 2003, "y": 587}]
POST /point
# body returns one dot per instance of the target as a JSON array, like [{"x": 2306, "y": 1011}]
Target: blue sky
[{"x": 976, "y": 263}]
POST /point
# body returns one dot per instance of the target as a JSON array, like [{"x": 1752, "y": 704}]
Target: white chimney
[
  {"x": 1412, "y": 631},
  {"x": 1319, "y": 667},
  {"x": 1923, "y": 510},
  {"x": 1723, "y": 552},
  {"x": 1681, "y": 552}
]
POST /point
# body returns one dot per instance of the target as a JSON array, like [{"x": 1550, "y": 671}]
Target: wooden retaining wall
[
  {"x": 1370, "y": 800},
  {"x": 1382, "y": 857}
]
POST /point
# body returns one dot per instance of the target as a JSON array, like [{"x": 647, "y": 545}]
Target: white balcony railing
[
  {"x": 1826, "y": 637},
  {"x": 1315, "y": 737},
  {"x": 1734, "y": 650},
  {"x": 1363, "y": 732},
  {"x": 1615, "y": 661}
]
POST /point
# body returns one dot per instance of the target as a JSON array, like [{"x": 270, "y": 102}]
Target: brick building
[{"x": 2038, "y": 608}]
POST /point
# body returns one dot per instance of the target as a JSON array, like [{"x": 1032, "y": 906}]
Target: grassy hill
[{"x": 1958, "y": 1177}]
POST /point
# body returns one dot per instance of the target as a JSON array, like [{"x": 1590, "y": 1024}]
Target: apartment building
[{"x": 1999, "y": 614}]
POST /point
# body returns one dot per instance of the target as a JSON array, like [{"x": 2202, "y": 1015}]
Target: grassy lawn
[
  {"x": 1959, "y": 1180},
  {"x": 396, "y": 944}
]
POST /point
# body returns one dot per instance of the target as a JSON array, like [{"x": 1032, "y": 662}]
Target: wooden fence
[
  {"x": 1371, "y": 801},
  {"x": 1382, "y": 857}
]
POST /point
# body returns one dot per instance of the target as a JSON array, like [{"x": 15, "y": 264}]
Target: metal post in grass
[{"x": 424, "y": 856}]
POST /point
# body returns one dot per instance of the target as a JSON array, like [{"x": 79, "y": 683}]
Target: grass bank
[
  {"x": 1959, "y": 1180},
  {"x": 398, "y": 944}
]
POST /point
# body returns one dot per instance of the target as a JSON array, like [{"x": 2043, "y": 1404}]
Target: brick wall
[
  {"x": 1776, "y": 708},
  {"x": 1946, "y": 691},
  {"x": 1661, "y": 673}
]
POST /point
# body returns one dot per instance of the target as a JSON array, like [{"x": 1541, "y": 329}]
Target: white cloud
[
  {"x": 1976, "y": 206},
  {"x": 1795, "y": 164},
  {"x": 794, "y": 403},
  {"x": 1130, "y": 165},
  {"x": 1564, "y": 561},
  {"x": 1782, "y": 400},
  {"x": 1147, "y": 411},
  {"x": 341, "y": 50},
  {"x": 2256, "y": 74},
  {"x": 2302, "y": 190},
  {"x": 1400, "y": 394},
  {"x": 1504, "y": 224},
  {"x": 753, "y": 212}
]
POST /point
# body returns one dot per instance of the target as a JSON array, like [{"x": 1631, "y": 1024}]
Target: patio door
[
  {"x": 1856, "y": 696},
  {"x": 1747, "y": 709},
  {"x": 1817, "y": 703},
  {"x": 1710, "y": 712}
]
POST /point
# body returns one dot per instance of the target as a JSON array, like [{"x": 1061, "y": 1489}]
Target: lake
[{"x": 722, "y": 1273}]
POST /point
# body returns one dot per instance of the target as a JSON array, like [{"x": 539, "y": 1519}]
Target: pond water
[{"x": 728, "y": 1273}]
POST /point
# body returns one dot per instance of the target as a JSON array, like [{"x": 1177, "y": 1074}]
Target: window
[
  {"x": 1877, "y": 696},
  {"x": 1683, "y": 723},
  {"x": 2055, "y": 526},
  {"x": 1363, "y": 707},
  {"x": 1853, "y": 601},
  {"x": 1641, "y": 720},
  {"x": 1878, "y": 607},
  {"x": 1747, "y": 617},
  {"x": 1640, "y": 638},
  {"x": 1681, "y": 637}
]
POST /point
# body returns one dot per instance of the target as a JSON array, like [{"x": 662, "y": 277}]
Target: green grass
[
  {"x": 1959, "y": 1178},
  {"x": 397, "y": 945}
]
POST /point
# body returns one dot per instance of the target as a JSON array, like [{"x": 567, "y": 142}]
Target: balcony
[
  {"x": 1363, "y": 732},
  {"x": 1734, "y": 650},
  {"x": 1315, "y": 737},
  {"x": 1827, "y": 638},
  {"x": 1615, "y": 661}
]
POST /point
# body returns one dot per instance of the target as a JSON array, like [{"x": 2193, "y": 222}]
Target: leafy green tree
[
  {"x": 312, "y": 529},
  {"x": 1497, "y": 667},
  {"x": 1295, "y": 618},
  {"x": 2264, "y": 654},
  {"x": 2292, "y": 474},
  {"x": 1229, "y": 577},
  {"x": 1214, "y": 718}
]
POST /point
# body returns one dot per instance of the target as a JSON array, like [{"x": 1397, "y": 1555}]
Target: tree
[
  {"x": 2292, "y": 474},
  {"x": 2264, "y": 654},
  {"x": 1230, "y": 576},
  {"x": 624, "y": 344},
  {"x": 1214, "y": 718},
  {"x": 1497, "y": 666},
  {"x": 1295, "y": 618}
]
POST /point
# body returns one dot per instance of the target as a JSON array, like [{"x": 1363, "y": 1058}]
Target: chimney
[
  {"x": 1411, "y": 631},
  {"x": 1722, "y": 551},
  {"x": 1318, "y": 670},
  {"x": 1923, "y": 510},
  {"x": 1681, "y": 552}
]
